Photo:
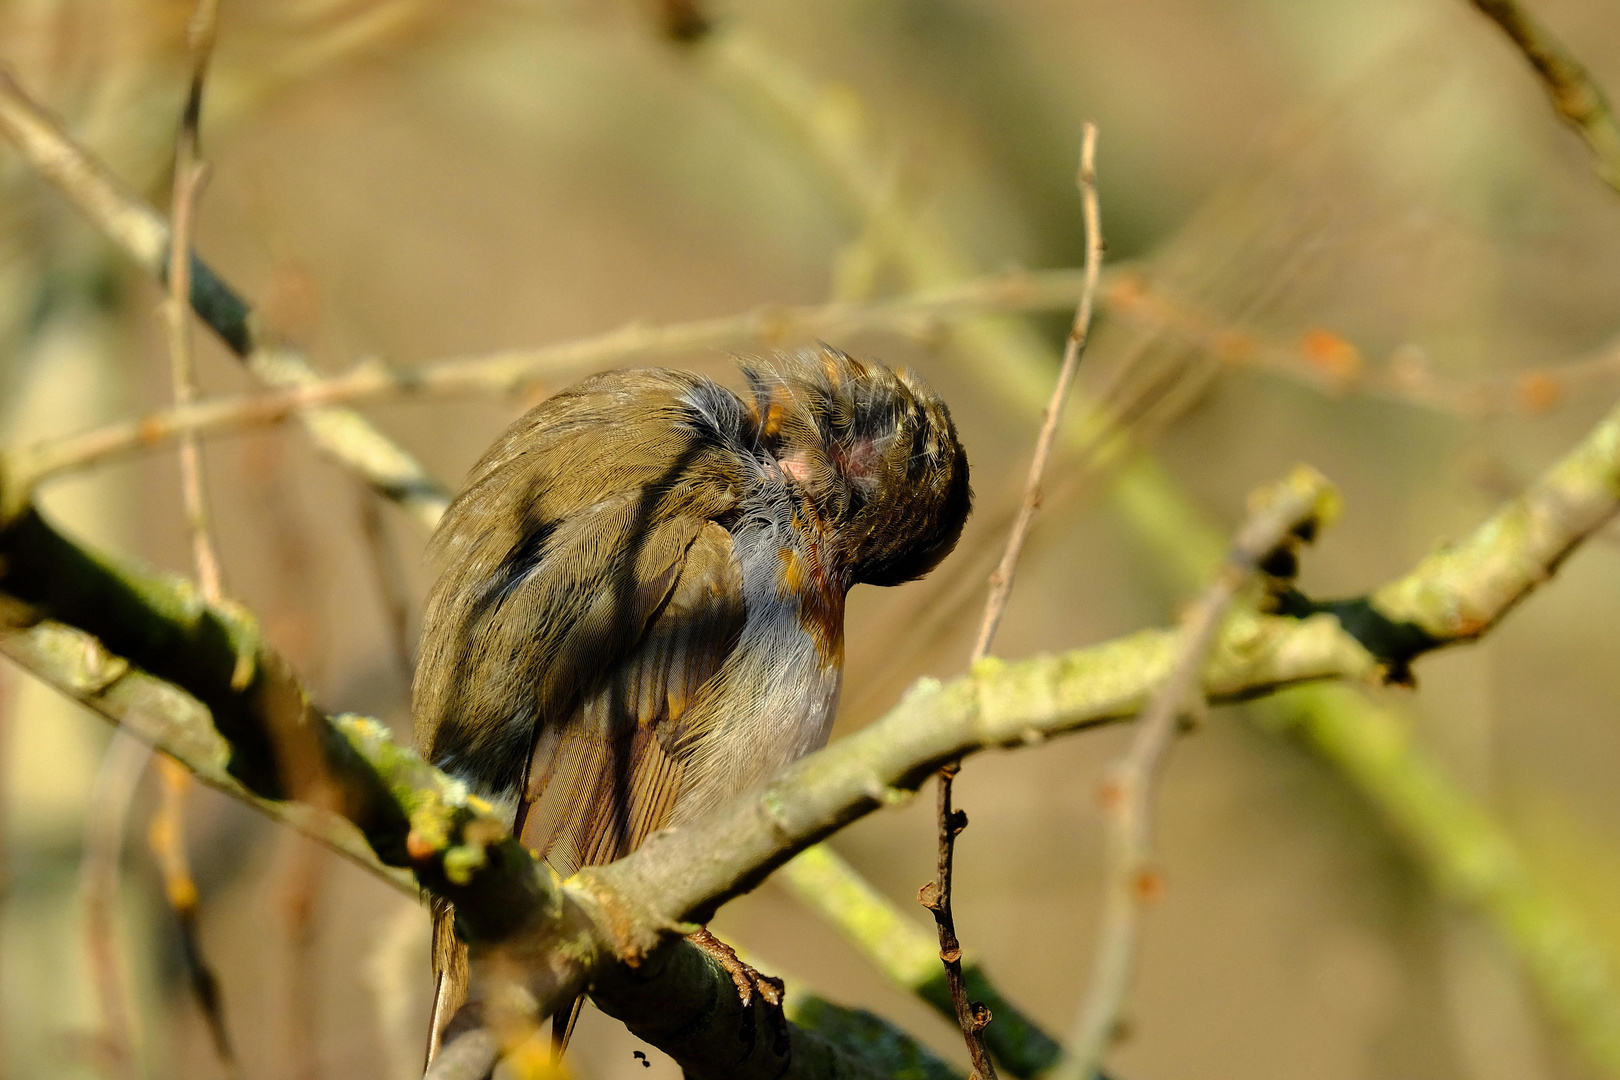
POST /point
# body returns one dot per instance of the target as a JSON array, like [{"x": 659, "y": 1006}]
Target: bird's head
[{"x": 875, "y": 452}]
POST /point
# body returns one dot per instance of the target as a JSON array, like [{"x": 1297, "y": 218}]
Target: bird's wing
[
  {"x": 601, "y": 781},
  {"x": 565, "y": 544}
]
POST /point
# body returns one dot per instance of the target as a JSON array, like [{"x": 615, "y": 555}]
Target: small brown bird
[{"x": 641, "y": 608}]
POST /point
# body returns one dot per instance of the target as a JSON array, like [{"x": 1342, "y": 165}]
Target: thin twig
[
  {"x": 144, "y": 235},
  {"x": 1320, "y": 360},
  {"x": 392, "y": 589},
  {"x": 127, "y": 757},
  {"x": 1575, "y": 94},
  {"x": 190, "y": 172},
  {"x": 1001, "y": 581},
  {"x": 167, "y": 835},
  {"x": 1280, "y": 518},
  {"x": 167, "y": 839},
  {"x": 516, "y": 371},
  {"x": 973, "y": 1016},
  {"x": 908, "y": 954}
]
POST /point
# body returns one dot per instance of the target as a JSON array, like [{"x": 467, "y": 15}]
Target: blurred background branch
[
  {"x": 1280, "y": 518},
  {"x": 1575, "y": 95}
]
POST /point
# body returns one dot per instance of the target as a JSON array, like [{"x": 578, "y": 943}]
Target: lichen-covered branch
[
  {"x": 381, "y": 806},
  {"x": 610, "y": 923},
  {"x": 1012, "y": 365},
  {"x": 143, "y": 234}
]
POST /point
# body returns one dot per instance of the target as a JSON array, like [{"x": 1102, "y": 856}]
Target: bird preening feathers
[{"x": 641, "y": 607}]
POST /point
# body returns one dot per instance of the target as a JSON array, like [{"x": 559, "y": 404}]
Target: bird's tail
[
  {"x": 450, "y": 986},
  {"x": 449, "y": 974},
  {"x": 562, "y": 1027}
]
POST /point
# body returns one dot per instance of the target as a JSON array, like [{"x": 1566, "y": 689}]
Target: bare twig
[
  {"x": 973, "y": 1016},
  {"x": 1575, "y": 94},
  {"x": 1279, "y": 518},
  {"x": 167, "y": 837},
  {"x": 515, "y": 371},
  {"x": 1001, "y": 581},
  {"x": 190, "y": 172},
  {"x": 144, "y": 235},
  {"x": 1319, "y": 359},
  {"x": 392, "y": 590},
  {"x": 127, "y": 757},
  {"x": 908, "y": 954}
]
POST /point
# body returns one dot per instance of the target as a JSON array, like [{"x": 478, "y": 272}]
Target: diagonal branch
[
  {"x": 143, "y": 234},
  {"x": 1575, "y": 95},
  {"x": 1279, "y": 519}
]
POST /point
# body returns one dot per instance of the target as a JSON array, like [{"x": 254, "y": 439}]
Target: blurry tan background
[{"x": 1366, "y": 186}]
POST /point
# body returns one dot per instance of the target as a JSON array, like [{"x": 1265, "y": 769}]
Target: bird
[{"x": 640, "y": 607}]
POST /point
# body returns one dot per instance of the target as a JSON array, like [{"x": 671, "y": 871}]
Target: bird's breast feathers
[{"x": 777, "y": 692}]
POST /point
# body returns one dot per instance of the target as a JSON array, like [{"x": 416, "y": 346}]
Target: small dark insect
[{"x": 639, "y": 1056}]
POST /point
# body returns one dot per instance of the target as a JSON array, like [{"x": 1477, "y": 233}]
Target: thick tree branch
[{"x": 393, "y": 811}]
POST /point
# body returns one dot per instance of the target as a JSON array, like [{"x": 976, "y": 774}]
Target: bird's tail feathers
[{"x": 449, "y": 974}]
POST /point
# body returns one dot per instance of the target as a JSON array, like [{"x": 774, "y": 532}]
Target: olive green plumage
[{"x": 640, "y": 607}]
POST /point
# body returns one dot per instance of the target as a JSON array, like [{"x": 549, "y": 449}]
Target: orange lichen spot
[
  {"x": 1148, "y": 887},
  {"x": 150, "y": 431},
  {"x": 418, "y": 846},
  {"x": 1538, "y": 392},
  {"x": 1234, "y": 346},
  {"x": 1110, "y": 796},
  {"x": 1332, "y": 356}
]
